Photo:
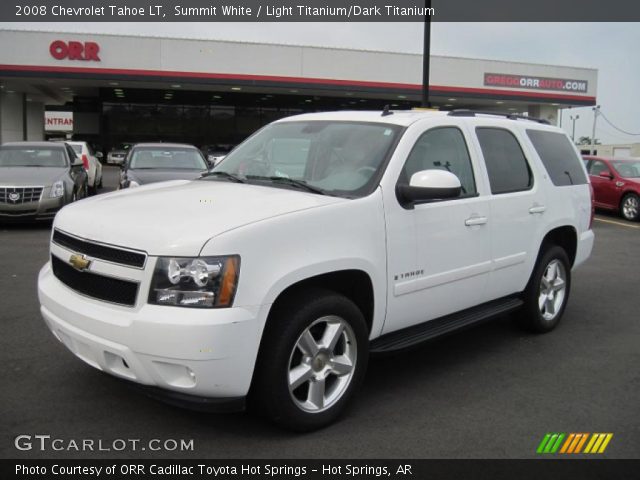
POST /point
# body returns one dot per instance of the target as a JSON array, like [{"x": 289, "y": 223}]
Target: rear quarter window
[{"x": 559, "y": 158}]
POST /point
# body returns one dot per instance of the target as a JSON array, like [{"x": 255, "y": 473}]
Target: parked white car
[
  {"x": 91, "y": 164},
  {"x": 321, "y": 238}
]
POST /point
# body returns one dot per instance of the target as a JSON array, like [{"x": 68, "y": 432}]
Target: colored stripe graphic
[
  {"x": 598, "y": 443},
  {"x": 581, "y": 442},
  {"x": 573, "y": 443},
  {"x": 550, "y": 443}
]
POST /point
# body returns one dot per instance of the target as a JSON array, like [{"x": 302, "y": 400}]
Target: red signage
[
  {"x": 61, "y": 50},
  {"x": 534, "y": 83}
]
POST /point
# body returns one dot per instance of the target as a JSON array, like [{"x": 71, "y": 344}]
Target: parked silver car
[
  {"x": 160, "y": 162},
  {"x": 38, "y": 178}
]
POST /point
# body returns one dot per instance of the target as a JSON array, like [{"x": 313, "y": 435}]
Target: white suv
[{"x": 320, "y": 239}]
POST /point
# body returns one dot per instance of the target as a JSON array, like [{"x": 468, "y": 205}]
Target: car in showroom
[
  {"x": 91, "y": 164},
  {"x": 616, "y": 184},
  {"x": 37, "y": 179},
  {"x": 158, "y": 162},
  {"x": 117, "y": 155},
  {"x": 320, "y": 239}
]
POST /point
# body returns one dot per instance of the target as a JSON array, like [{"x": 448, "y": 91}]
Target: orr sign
[
  {"x": 87, "y": 51},
  {"x": 535, "y": 83}
]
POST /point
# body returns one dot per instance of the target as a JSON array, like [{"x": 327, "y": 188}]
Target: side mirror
[
  {"x": 99, "y": 155},
  {"x": 429, "y": 185},
  {"x": 606, "y": 174}
]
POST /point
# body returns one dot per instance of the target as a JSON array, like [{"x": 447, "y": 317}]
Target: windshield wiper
[
  {"x": 289, "y": 181},
  {"x": 222, "y": 174}
]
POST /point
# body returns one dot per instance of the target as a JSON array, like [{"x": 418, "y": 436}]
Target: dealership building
[{"x": 116, "y": 88}]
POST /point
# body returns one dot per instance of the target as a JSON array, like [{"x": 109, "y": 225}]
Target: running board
[{"x": 410, "y": 336}]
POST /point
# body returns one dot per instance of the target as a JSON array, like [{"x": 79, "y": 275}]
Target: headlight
[
  {"x": 57, "y": 189},
  {"x": 202, "y": 282}
]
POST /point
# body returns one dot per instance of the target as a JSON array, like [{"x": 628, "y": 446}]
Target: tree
[{"x": 587, "y": 141}]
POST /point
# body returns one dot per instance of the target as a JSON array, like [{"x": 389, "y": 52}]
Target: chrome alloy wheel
[
  {"x": 630, "y": 207},
  {"x": 553, "y": 287},
  {"x": 322, "y": 364}
]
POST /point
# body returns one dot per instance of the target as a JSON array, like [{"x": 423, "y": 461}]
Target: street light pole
[
  {"x": 573, "y": 132},
  {"x": 596, "y": 111},
  {"x": 426, "y": 54}
]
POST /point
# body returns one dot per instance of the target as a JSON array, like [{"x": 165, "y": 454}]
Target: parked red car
[{"x": 616, "y": 184}]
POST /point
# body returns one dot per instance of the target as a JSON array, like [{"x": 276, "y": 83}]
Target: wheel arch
[
  {"x": 354, "y": 284},
  {"x": 564, "y": 236}
]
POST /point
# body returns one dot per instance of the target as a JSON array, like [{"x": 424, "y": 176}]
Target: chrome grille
[
  {"x": 20, "y": 195},
  {"x": 107, "y": 253}
]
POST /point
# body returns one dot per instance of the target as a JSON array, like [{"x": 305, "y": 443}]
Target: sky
[{"x": 609, "y": 47}]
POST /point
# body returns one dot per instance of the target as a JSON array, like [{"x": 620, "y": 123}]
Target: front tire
[
  {"x": 312, "y": 359},
  {"x": 548, "y": 290},
  {"x": 630, "y": 207}
]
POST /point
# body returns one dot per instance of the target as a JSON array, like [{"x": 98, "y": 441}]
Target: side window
[
  {"x": 597, "y": 167},
  {"x": 442, "y": 149},
  {"x": 506, "y": 164},
  {"x": 558, "y": 156}
]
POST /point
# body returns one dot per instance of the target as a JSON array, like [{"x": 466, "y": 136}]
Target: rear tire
[
  {"x": 312, "y": 359},
  {"x": 548, "y": 290},
  {"x": 630, "y": 207}
]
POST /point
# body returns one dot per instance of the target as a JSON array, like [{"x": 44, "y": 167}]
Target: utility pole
[
  {"x": 573, "y": 132},
  {"x": 596, "y": 111},
  {"x": 560, "y": 110},
  {"x": 426, "y": 56}
]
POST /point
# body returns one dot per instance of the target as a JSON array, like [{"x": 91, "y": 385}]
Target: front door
[{"x": 439, "y": 253}]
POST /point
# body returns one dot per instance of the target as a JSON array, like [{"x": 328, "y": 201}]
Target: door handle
[
  {"x": 470, "y": 222},
  {"x": 537, "y": 209}
]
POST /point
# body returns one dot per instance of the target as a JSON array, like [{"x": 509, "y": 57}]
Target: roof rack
[{"x": 510, "y": 116}]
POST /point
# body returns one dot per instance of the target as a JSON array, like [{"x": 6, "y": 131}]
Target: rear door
[{"x": 517, "y": 208}]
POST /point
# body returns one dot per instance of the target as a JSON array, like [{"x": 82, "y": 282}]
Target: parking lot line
[{"x": 616, "y": 223}]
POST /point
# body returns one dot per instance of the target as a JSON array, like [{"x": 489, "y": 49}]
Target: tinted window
[
  {"x": 558, "y": 156},
  {"x": 442, "y": 149},
  {"x": 506, "y": 164}
]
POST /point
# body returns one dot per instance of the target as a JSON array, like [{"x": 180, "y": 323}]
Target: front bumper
[
  {"x": 195, "y": 352},
  {"x": 45, "y": 209}
]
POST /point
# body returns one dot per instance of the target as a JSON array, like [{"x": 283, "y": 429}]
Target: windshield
[
  {"x": 123, "y": 146},
  {"x": 628, "y": 169},
  {"x": 167, "y": 158},
  {"x": 339, "y": 158},
  {"x": 32, "y": 157}
]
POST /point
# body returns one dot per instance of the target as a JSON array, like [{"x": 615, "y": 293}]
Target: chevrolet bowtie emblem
[{"x": 79, "y": 262}]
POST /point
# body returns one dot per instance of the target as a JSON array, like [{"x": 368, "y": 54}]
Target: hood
[
  {"x": 30, "y": 176},
  {"x": 635, "y": 181},
  {"x": 178, "y": 218},
  {"x": 144, "y": 177}
]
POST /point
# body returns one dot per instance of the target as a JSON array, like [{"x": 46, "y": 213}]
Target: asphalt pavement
[{"x": 489, "y": 392}]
